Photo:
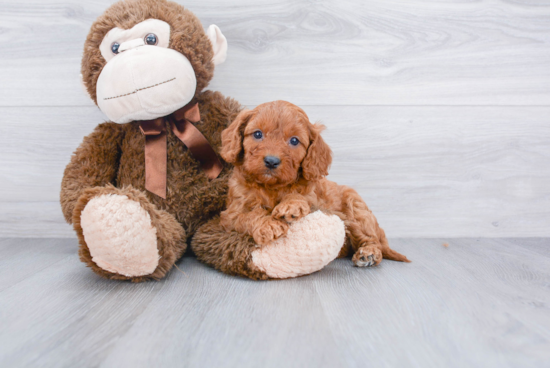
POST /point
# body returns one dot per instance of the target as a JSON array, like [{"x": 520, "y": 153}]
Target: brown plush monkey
[{"x": 138, "y": 188}]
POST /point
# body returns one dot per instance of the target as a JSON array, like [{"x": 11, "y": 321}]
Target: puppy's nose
[{"x": 271, "y": 162}]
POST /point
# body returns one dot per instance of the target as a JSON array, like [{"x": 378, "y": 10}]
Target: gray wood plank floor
[{"x": 477, "y": 303}]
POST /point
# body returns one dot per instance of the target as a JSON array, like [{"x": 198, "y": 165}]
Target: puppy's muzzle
[{"x": 271, "y": 162}]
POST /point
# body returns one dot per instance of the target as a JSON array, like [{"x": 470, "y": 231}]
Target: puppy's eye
[
  {"x": 151, "y": 39},
  {"x": 294, "y": 141},
  {"x": 258, "y": 134},
  {"x": 114, "y": 47}
]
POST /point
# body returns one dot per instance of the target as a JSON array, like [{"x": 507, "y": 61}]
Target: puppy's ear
[
  {"x": 318, "y": 157},
  {"x": 232, "y": 138}
]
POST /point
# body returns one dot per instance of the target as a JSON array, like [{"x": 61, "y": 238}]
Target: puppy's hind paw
[{"x": 367, "y": 257}]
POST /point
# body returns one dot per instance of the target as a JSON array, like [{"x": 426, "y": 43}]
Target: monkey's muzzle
[{"x": 144, "y": 83}]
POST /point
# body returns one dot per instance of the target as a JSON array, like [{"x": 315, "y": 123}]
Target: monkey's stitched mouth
[{"x": 140, "y": 89}]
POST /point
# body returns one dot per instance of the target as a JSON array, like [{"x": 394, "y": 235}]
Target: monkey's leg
[
  {"x": 123, "y": 236},
  {"x": 227, "y": 251},
  {"x": 310, "y": 244},
  {"x": 367, "y": 238}
]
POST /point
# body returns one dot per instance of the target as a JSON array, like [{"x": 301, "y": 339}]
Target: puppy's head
[{"x": 275, "y": 143}]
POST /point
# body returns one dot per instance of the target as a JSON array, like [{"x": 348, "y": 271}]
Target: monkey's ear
[
  {"x": 219, "y": 44},
  {"x": 232, "y": 138}
]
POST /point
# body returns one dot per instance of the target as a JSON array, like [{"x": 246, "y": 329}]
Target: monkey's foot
[
  {"x": 310, "y": 244},
  {"x": 120, "y": 236},
  {"x": 123, "y": 236}
]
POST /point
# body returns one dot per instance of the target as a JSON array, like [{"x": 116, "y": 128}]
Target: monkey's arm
[
  {"x": 217, "y": 113},
  {"x": 94, "y": 163}
]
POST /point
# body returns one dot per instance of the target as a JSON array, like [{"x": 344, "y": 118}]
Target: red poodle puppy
[{"x": 281, "y": 162}]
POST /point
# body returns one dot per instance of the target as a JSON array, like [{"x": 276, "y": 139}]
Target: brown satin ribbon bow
[{"x": 181, "y": 122}]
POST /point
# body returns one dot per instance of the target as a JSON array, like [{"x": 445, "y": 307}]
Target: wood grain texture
[
  {"x": 424, "y": 171},
  {"x": 478, "y": 302},
  {"x": 39, "y": 219},
  {"x": 430, "y": 105},
  {"x": 349, "y": 52},
  {"x": 16, "y": 262}
]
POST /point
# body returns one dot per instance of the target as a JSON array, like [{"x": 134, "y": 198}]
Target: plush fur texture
[
  {"x": 187, "y": 36},
  {"x": 113, "y": 155},
  {"x": 171, "y": 237},
  {"x": 310, "y": 244},
  {"x": 110, "y": 164},
  {"x": 110, "y": 161},
  {"x": 263, "y": 199},
  {"x": 226, "y": 251},
  {"x": 120, "y": 236},
  {"x": 302, "y": 251}
]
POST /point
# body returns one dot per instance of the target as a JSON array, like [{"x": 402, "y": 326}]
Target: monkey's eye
[
  {"x": 258, "y": 134},
  {"x": 114, "y": 47},
  {"x": 151, "y": 39},
  {"x": 294, "y": 141}
]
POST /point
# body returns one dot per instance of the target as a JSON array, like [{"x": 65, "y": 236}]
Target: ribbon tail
[
  {"x": 155, "y": 161},
  {"x": 196, "y": 142}
]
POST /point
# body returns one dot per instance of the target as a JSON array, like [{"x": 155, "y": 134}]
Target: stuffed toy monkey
[{"x": 139, "y": 187}]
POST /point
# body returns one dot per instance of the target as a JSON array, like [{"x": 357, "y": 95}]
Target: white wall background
[{"x": 438, "y": 112}]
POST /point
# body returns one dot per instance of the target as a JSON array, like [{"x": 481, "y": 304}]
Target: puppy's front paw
[
  {"x": 367, "y": 256},
  {"x": 269, "y": 230},
  {"x": 291, "y": 210}
]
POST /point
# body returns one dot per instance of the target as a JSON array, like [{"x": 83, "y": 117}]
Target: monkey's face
[{"x": 152, "y": 68}]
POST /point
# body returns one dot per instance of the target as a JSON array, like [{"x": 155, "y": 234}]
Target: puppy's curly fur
[{"x": 281, "y": 162}]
